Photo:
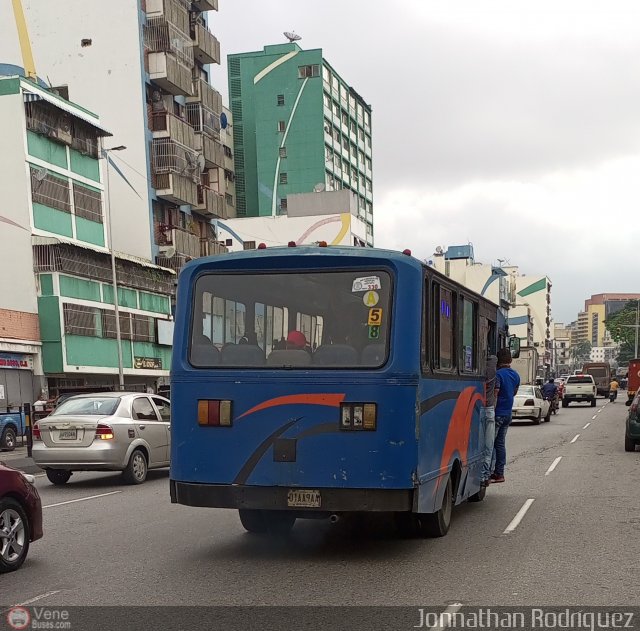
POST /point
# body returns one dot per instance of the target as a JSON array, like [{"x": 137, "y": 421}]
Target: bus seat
[
  {"x": 289, "y": 358},
  {"x": 242, "y": 355},
  {"x": 204, "y": 353},
  {"x": 336, "y": 355},
  {"x": 373, "y": 355}
]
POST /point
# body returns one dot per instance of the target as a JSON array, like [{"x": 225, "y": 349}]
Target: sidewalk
[{"x": 18, "y": 459}]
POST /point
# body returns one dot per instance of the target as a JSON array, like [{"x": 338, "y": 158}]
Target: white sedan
[{"x": 530, "y": 404}]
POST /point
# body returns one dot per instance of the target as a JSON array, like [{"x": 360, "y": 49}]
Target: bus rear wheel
[
  {"x": 267, "y": 521},
  {"x": 435, "y": 524}
]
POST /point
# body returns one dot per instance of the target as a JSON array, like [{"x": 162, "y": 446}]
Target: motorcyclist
[
  {"x": 550, "y": 390},
  {"x": 613, "y": 390}
]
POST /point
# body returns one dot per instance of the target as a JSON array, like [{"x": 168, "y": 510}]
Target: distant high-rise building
[{"x": 298, "y": 127}]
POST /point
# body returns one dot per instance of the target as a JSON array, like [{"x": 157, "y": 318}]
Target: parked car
[
  {"x": 11, "y": 427},
  {"x": 530, "y": 404},
  {"x": 109, "y": 431},
  {"x": 20, "y": 517},
  {"x": 579, "y": 388},
  {"x": 632, "y": 430}
]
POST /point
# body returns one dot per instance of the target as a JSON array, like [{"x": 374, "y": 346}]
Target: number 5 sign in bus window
[{"x": 375, "y": 317}]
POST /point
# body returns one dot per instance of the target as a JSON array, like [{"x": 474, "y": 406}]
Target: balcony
[
  {"x": 206, "y": 47},
  {"x": 170, "y": 74},
  {"x": 206, "y": 5},
  {"x": 184, "y": 242},
  {"x": 175, "y": 12},
  {"x": 166, "y": 125},
  {"x": 203, "y": 120},
  {"x": 210, "y": 203},
  {"x": 211, "y": 150},
  {"x": 177, "y": 189},
  {"x": 202, "y": 92},
  {"x": 210, "y": 247}
]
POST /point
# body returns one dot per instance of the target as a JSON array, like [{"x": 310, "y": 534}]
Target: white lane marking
[
  {"x": 35, "y": 598},
  {"x": 587, "y": 425},
  {"x": 82, "y": 499},
  {"x": 554, "y": 464},
  {"x": 573, "y": 440},
  {"x": 593, "y": 418},
  {"x": 445, "y": 620},
  {"x": 518, "y": 518}
]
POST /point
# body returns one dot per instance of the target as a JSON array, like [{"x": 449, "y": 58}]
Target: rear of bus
[{"x": 280, "y": 431}]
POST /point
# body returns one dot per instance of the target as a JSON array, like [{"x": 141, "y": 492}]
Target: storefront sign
[
  {"x": 16, "y": 361},
  {"x": 147, "y": 363}
]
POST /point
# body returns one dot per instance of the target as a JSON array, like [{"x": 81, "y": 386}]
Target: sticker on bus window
[
  {"x": 371, "y": 299},
  {"x": 366, "y": 283},
  {"x": 375, "y": 317},
  {"x": 374, "y": 332}
]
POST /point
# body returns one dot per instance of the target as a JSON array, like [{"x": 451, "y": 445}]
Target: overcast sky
[{"x": 511, "y": 125}]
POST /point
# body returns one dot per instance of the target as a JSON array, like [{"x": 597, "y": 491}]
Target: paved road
[{"x": 579, "y": 542}]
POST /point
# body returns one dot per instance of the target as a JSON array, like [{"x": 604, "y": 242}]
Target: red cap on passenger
[{"x": 297, "y": 338}]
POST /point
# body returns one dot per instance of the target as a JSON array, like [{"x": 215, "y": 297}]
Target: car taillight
[
  {"x": 529, "y": 402},
  {"x": 214, "y": 413},
  {"x": 358, "y": 416},
  {"x": 35, "y": 432},
  {"x": 104, "y": 432}
]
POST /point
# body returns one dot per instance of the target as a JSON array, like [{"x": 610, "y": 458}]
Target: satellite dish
[
  {"x": 319, "y": 187},
  {"x": 168, "y": 251},
  {"x": 201, "y": 162},
  {"x": 439, "y": 250},
  {"x": 40, "y": 174},
  {"x": 156, "y": 96},
  {"x": 292, "y": 37},
  {"x": 224, "y": 121}
]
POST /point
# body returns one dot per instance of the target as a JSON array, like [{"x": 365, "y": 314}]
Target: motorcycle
[
  {"x": 555, "y": 403},
  {"x": 613, "y": 395}
]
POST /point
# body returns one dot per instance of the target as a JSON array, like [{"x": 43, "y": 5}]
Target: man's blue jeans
[
  {"x": 489, "y": 422},
  {"x": 499, "y": 446}
]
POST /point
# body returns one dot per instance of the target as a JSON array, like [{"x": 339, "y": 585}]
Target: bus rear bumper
[{"x": 276, "y": 498}]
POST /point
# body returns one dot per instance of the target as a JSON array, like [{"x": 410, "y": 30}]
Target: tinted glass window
[
  {"x": 163, "y": 408},
  {"x": 94, "y": 406},
  {"x": 318, "y": 319},
  {"x": 444, "y": 317},
  {"x": 143, "y": 410},
  {"x": 580, "y": 380}
]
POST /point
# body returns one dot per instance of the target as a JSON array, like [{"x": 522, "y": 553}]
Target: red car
[{"x": 20, "y": 517}]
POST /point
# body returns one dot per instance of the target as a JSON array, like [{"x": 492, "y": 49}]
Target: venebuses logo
[{"x": 18, "y": 618}]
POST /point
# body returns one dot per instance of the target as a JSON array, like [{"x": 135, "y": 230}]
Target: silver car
[{"x": 112, "y": 431}]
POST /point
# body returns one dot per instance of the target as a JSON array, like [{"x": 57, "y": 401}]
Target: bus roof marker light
[
  {"x": 291, "y": 244},
  {"x": 322, "y": 244},
  {"x": 407, "y": 252},
  {"x": 262, "y": 246}
]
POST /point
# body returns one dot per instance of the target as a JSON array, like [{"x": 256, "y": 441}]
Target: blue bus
[{"x": 314, "y": 382}]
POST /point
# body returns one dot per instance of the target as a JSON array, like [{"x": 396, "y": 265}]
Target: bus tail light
[
  {"x": 214, "y": 413},
  {"x": 358, "y": 416}
]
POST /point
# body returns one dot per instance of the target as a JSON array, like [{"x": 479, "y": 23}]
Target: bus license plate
[{"x": 303, "y": 498}]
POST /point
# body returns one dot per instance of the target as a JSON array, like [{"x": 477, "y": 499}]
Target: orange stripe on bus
[{"x": 330, "y": 400}]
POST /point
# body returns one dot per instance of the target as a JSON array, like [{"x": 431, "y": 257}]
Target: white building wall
[
  {"x": 274, "y": 231},
  {"x": 16, "y": 259},
  {"x": 106, "y": 78}
]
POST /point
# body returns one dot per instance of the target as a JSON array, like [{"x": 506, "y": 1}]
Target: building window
[
  {"x": 283, "y": 178},
  {"x": 305, "y": 72},
  {"x": 283, "y": 203},
  {"x": 229, "y": 199},
  {"x": 87, "y": 203},
  {"x": 227, "y": 151},
  {"x": 143, "y": 329},
  {"x": 229, "y": 242},
  {"x": 80, "y": 320},
  {"x": 282, "y": 152},
  {"x": 345, "y": 119},
  {"x": 280, "y": 99},
  {"x": 282, "y": 126},
  {"x": 48, "y": 190}
]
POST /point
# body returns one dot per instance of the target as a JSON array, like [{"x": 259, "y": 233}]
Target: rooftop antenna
[{"x": 292, "y": 36}]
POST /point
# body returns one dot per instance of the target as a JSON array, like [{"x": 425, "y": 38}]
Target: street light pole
[{"x": 114, "y": 278}]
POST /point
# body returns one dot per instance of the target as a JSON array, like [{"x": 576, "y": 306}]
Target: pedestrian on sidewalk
[
  {"x": 507, "y": 384},
  {"x": 489, "y": 417}
]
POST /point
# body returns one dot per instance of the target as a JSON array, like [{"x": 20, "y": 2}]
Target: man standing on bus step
[
  {"x": 507, "y": 384},
  {"x": 489, "y": 417}
]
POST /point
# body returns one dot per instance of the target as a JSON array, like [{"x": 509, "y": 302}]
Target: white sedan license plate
[
  {"x": 68, "y": 434},
  {"x": 303, "y": 498}
]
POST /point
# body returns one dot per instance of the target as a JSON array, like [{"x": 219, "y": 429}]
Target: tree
[
  {"x": 620, "y": 325},
  {"x": 627, "y": 352},
  {"x": 581, "y": 353}
]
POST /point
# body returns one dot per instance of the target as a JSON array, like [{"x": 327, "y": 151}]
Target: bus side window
[
  {"x": 469, "y": 335},
  {"x": 444, "y": 338}
]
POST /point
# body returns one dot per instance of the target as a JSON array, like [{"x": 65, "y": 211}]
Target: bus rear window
[
  {"x": 291, "y": 320},
  {"x": 580, "y": 380},
  {"x": 596, "y": 372}
]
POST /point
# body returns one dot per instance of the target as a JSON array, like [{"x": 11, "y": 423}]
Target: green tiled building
[{"x": 298, "y": 127}]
